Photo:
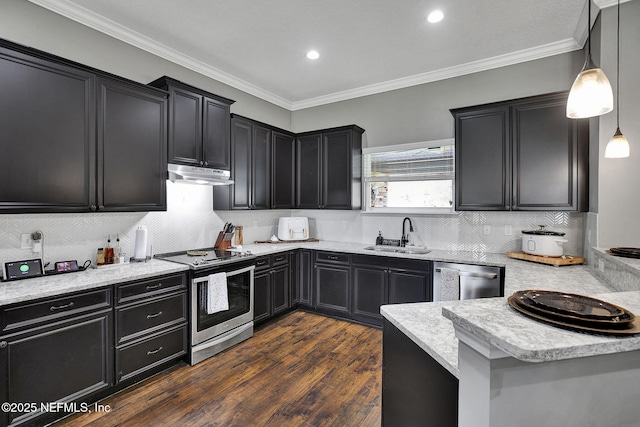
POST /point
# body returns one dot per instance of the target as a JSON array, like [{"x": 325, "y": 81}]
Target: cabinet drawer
[
  {"x": 278, "y": 259},
  {"x": 333, "y": 257},
  {"x": 263, "y": 262},
  {"x": 392, "y": 262},
  {"x": 141, "y": 356},
  {"x": 132, "y": 291},
  {"x": 30, "y": 314},
  {"x": 139, "y": 319}
]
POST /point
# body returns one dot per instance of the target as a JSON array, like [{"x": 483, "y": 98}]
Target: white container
[
  {"x": 293, "y": 228},
  {"x": 543, "y": 242}
]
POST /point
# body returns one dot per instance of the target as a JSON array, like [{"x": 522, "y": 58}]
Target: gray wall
[
  {"x": 619, "y": 179},
  {"x": 31, "y": 25}
]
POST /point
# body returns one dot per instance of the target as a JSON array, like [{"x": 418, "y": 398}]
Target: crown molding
[
  {"x": 531, "y": 54},
  {"x": 99, "y": 23}
]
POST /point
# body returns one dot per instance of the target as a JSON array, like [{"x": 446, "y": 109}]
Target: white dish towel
[
  {"x": 449, "y": 284},
  {"x": 217, "y": 296}
]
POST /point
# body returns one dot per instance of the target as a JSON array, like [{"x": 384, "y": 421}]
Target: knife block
[{"x": 223, "y": 241}]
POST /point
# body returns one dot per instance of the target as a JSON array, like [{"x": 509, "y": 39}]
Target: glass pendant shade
[
  {"x": 617, "y": 147},
  {"x": 591, "y": 94}
]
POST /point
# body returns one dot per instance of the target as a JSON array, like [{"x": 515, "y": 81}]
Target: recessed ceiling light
[
  {"x": 435, "y": 16},
  {"x": 313, "y": 54}
]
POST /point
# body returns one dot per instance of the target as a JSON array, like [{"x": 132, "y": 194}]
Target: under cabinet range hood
[{"x": 201, "y": 176}]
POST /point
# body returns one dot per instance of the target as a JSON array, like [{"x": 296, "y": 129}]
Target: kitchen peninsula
[{"x": 501, "y": 358}]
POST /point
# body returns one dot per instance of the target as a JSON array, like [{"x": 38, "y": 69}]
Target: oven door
[{"x": 240, "y": 292}]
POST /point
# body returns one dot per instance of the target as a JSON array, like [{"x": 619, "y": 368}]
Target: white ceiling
[{"x": 366, "y": 46}]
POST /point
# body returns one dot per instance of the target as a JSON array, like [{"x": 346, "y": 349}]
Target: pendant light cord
[{"x": 618, "y": 73}]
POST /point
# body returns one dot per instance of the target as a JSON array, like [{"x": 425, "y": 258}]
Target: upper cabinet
[
  {"x": 328, "y": 169},
  {"x": 199, "y": 125},
  {"x": 521, "y": 155},
  {"x": 74, "y": 139}
]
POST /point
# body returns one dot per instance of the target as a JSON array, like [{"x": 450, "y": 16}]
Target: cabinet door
[
  {"x": 61, "y": 363},
  {"x": 483, "y": 159},
  {"x": 332, "y": 285},
  {"x": 241, "y": 134},
  {"x": 336, "y": 170},
  {"x": 408, "y": 286},
  {"x": 280, "y": 286},
  {"x": 47, "y": 136},
  {"x": 294, "y": 285},
  {"x": 547, "y": 147},
  {"x": 262, "y": 307},
  {"x": 185, "y": 137},
  {"x": 215, "y": 139},
  {"x": 132, "y": 148},
  {"x": 308, "y": 156},
  {"x": 369, "y": 293},
  {"x": 284, "y": 159},
  {"x": 261, "y": 171},
  {"x": 305, "y": 276}
]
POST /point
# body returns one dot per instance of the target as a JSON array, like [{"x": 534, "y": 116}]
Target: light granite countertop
[{"x": 92, "y": 278}]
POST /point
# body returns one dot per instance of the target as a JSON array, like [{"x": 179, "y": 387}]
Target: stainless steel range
[{"x": 221, "y": 309}]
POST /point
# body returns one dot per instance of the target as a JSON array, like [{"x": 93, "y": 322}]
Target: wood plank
[{"x": 302, "y": 370}]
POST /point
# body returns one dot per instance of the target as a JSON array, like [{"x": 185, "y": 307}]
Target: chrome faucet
[{"x": 405, "y": 238}]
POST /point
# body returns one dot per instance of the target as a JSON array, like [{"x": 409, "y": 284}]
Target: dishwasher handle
[{"x": 474, "y": 274}]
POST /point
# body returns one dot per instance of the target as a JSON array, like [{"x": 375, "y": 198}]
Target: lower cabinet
[
  {"x": 386, "y": 280},
  {"x": 415, "y": 387},
  {"x": 79, "y": 348},
  {"x": 150, "y": 325},
  {"x": 272, "y": 286},
  {"x": 354, "y": 286},
  {"x": 56, "y": 350}
]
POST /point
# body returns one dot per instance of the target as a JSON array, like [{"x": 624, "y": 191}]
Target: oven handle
[{"x": 229, "y": 274}]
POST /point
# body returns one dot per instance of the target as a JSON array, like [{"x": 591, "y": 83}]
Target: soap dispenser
[{"x": 379, "y": 239}]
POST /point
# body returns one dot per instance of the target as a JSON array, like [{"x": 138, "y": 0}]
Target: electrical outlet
[
  {"x": 487, "y": 230},
  {"x": 508, "y": 230},
  {"x": 25, "y": 241}
]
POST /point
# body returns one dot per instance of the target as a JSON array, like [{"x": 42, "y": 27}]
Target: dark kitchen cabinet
[
  {"x": 76, "y": 139},
  {"x": 55, "y": 350},
  {"x": 271, "y": 286},
  {"x": 132, "y": 159},
  {"x": 328, "y": 172},
  {"x": 294, "y": 283},
  {"x": 199, "y": 125},
  {"x": 250, "y": 168},
  {"x": 415, "y": 387},
  {"x": 305, "y": 277},
  {"x": 47, "y": 135},
  {"x": 332, "y": 282},
  {"x": 283, "y": 167},
  {"x": 386, "y": 280},
  {"x": 151, "y": 319},
  {"x": 522, "y": 154}
]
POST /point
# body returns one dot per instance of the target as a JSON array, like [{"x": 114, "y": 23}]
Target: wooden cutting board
[{"x": 556, "y": 261}]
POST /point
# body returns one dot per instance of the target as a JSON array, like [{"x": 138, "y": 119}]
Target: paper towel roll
[{"x": 140, "y": 251}]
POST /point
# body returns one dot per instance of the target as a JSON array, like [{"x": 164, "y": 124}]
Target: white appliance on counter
[{"x": 293, "y": 228}]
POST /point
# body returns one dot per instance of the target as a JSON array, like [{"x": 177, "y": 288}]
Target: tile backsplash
[{"x": 189, "y": 222}]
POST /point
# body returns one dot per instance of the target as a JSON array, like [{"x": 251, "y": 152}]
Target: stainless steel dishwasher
[{"x": 476, "y": 281}]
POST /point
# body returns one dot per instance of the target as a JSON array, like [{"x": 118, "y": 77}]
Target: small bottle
[
  {"x": 117, "y": 252},
  {"x": 100, "y": 257},
  {"x": 379, "y": 239},
  {"x": 108, "y": 251}
]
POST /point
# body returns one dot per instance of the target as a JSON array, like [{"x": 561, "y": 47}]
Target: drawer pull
[
  {"x": 150, "y": 287},
  {"x": 150, "y": 352},
  {"x": 151, "y": 316},
  {"x": 61, "y": 307},
  {"x": 263, "y": 262},
  {"x": 280, "y": 258},
  {"x": 3, "y": 344},
  {"x": 333, "y": 257}
]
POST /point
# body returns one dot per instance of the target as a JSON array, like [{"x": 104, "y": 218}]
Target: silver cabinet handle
[
  {"x": 150, "y": 287},
  {"x": 3, "y": 344},
  {"x": 61, "y": 307},
  {"x": 474, "y": 274},
  {"x": 150, "y": 352},
  {"x": 151, "y": 316}
]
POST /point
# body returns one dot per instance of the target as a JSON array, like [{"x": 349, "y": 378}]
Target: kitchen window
[{"x": 409, "y": 178}]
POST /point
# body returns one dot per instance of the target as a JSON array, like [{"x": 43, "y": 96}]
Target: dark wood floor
[{"x": 302, "y": 370}]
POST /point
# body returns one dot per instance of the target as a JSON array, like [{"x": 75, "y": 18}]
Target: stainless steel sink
[{"x": 398, "y": 249}]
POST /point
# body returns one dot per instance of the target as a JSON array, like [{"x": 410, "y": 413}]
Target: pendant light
[
  {"x": 591, "y": 93},
  {"x": 618, "y": 146}
]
